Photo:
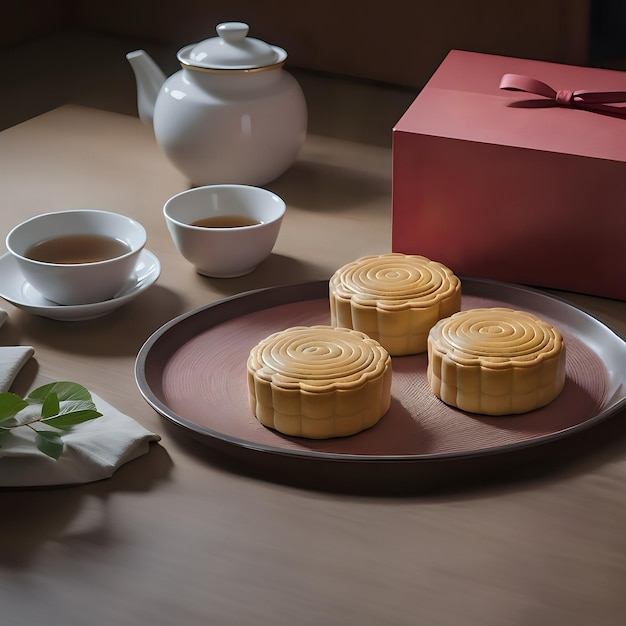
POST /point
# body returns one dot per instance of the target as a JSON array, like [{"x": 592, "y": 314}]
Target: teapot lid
[{"x": 231, "y": 50}]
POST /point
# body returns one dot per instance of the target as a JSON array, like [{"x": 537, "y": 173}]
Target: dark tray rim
[{"x": 177, "y": 331}]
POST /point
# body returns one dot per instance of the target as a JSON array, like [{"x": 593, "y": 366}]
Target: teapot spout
[{"x": 149, "y": 79}]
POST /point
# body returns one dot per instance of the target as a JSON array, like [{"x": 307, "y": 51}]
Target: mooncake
[
  {"x": 495, "y": 361},
  {"x": 319, "y": 381},
  {"x": 394, "y": 298}
]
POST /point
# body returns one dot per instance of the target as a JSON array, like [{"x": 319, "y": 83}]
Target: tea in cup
[
  {"x": 224, "y": 231},
  {"x": 78, "y": 256}
]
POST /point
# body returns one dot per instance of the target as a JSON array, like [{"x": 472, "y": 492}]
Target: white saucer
[{"x": 16, "y": 290}]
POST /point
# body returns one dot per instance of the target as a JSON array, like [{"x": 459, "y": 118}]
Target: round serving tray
[{"x": 192, "y": 371}]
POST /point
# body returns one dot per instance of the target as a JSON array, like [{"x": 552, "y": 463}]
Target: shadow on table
[
  {"x": 33, "y": 517},
  {"x": 329, "y": 188},
  {"x": 120, "y": 333},
  {"x": 276, "y": 270}
]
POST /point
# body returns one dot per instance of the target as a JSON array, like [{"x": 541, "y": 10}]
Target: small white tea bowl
[
  {"x": 69, "y": 282},
  {"x": 231, "y": 251}
]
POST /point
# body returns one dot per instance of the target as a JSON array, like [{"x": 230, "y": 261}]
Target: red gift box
[{"x": 516, "y": 186}]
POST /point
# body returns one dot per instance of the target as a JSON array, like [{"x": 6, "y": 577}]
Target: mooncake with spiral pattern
[
  {"x": 319, "y": 381},
  {"x": 394, "y": 298},
  {"x": 496, "y": 361}
]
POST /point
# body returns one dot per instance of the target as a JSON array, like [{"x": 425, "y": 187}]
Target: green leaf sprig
[{"x": 56, "y": 406}]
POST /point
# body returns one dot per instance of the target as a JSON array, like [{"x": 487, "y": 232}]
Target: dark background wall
[
  {"x": 607, "y": 30},
  {"x": 395, "y": 41}
]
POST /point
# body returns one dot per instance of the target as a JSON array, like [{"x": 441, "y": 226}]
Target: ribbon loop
[
  {"x": 517, "y": 82},
  {"x": 598, "y": 101}
]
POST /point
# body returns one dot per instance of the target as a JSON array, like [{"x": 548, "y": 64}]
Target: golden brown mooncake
[
  {"x": 496, "y": 361},
  {"x": 394, "y": 298},
  {"x": 319, "y": 381}
]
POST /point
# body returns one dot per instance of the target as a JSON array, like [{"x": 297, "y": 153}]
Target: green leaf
[
  {"x": 49, "y": 443},
  {"x": 71, "y": 419},
  {"x": 50, "y": 405},
  {"x": 71, "y": 413},
  {"x": 76, "y": 405},
  {"x": 63, "y": 405},
  {"x": 10, "y": 405},
  {"x": 64, "y": 390}
]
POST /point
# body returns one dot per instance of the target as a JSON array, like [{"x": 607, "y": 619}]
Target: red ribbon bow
[{"x": 590, "y": 100}]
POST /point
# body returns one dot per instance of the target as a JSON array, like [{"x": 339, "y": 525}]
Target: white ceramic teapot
[{"x": 231, "y": 115}]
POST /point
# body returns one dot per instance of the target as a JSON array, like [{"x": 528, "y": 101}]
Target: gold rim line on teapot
[{"x": 245, "y": 70}]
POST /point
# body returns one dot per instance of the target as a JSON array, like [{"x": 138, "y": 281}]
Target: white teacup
[
  {"x": 78, "y": 256},
  {"x": 224, "y": 231}
]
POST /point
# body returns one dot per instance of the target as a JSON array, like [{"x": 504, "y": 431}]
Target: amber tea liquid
[
  {"x": 72, "y": 249},
  {"x": 225, "y": 221}
]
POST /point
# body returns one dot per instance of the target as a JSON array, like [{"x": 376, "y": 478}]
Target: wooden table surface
[{"x": 184, "y": 535}]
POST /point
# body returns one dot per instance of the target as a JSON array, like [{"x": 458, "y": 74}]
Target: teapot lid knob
[{"x": 232, "y": 32}]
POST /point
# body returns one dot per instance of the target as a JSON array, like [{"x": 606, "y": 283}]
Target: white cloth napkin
[
  {"x": 93, "y": 450},
  {"x": 12, "y": 359}
]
